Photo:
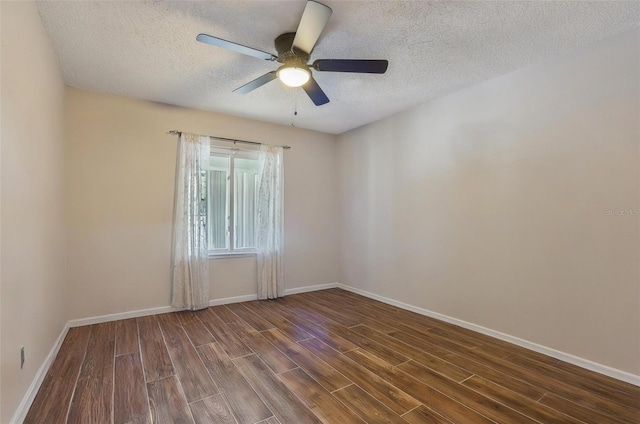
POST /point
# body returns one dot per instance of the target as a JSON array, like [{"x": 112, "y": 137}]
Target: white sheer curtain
[
  {"x": 190, "y": 265},
  {"x": 270, "y": 222}
]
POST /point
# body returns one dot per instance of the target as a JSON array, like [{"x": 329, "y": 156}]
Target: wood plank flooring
[{"x": 323, "y": 357}]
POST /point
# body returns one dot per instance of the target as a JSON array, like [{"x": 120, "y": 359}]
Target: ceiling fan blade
[
  {"x": 348, "y": 65},
  {"x": 314, "y": 91},
  {"x": 314, "y": 19},
  {"x": 235, "y": 47},
  {"x": 258, "y": 82}
]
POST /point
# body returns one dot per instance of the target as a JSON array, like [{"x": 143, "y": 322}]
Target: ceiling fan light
[{"x": 294, "y": 76}]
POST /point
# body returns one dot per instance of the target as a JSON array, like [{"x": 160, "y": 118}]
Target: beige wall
[
  {"x": 32, "y": 277},
  {"x": 119, "y": 202},
  {"x": 489, "y": 205}
]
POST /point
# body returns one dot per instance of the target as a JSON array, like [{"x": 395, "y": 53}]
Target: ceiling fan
[{"x": 294, "y": 50}]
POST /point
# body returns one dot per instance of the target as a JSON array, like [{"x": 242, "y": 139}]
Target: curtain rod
[{"x": 231, "y": 140}]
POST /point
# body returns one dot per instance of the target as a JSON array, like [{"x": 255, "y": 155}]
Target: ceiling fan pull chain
[{"x": 295, "y": 107}]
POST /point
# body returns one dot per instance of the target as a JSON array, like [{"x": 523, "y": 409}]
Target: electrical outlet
[{"x": 21, "y": 356}]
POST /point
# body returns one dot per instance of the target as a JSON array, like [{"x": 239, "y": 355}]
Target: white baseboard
[
  {"x": 234, "y": 299},
  {"x": 120, "y": 315},
  {"x": 249, "y": 297},
  {"x": 306, "y": 289},
  {"x": 27, "y": 400},
  {"x": 166, "y": 309},
  {"x": 152, "y": 311},
  {"x": 566, "y": 357}
]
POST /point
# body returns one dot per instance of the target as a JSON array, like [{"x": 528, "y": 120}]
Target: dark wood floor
[{"x": 329, "y": 356}]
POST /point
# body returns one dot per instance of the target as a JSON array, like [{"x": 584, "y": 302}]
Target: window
[{"x": 230, "y": 187}]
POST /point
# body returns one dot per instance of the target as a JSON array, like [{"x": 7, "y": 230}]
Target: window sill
[{"x": 229, "y": 255}]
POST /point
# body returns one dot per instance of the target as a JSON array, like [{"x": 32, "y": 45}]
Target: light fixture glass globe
[{"x": 294, "y": 76}]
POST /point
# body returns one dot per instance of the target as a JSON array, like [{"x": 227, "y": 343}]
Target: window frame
[{"x": 230, "y": 250}]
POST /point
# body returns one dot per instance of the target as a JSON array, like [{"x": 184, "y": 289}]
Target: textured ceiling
[{"x": 148, "y": 50}]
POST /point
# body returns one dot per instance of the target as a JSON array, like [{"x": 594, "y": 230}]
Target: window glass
[
  {"x": 231, "y": 200},
  {"x": 218, "y": 202},
  {"x": 244, "y": 196}
]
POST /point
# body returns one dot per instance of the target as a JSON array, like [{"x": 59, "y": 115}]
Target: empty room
[{"x": 298, "y": 211}]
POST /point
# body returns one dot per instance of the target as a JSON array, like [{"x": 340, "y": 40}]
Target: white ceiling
[{"x": 147, "y": 50}]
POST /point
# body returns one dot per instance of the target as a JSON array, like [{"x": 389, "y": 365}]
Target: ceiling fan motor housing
[{"x": 287, "y": 54}]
